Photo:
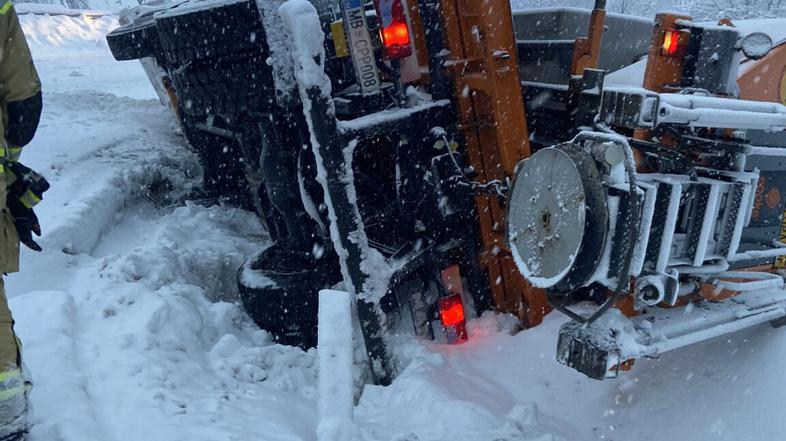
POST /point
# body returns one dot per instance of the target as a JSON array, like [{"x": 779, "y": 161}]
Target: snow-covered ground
[{"x": 131, "y": 331}]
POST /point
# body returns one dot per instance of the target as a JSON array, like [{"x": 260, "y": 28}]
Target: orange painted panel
[{"x": 765, "y": 79}]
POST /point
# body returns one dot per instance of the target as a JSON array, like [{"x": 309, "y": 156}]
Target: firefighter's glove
[
  {"x": 24, "y": 193},
  {"x": 26, "y": 223}
]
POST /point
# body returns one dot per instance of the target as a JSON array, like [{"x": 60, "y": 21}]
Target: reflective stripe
[
  {"x": 14, "y": 153},
  {"x": 6, "y": 7},
  {"x": 29, "y": 199},
  {"x": 7, "y": 394},
  {"x": 10, "y": 375},
  {"x": 14, "y": 384}
]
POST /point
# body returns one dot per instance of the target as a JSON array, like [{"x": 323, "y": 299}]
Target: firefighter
[{"x": 20, "y": 104}]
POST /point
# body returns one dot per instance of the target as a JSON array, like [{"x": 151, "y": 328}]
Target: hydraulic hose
[{"x": 623, "y": 282}]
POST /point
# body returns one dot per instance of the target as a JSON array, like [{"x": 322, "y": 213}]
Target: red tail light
[
  {"x": 395, "y": 31},
  {"x": 451, "y": 312},
  {"x": 673, "y": 43}
]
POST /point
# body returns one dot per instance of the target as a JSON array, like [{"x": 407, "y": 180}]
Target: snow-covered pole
[
  {"x": 334, "y": 172},
  {"x": 336, "y": 384}
]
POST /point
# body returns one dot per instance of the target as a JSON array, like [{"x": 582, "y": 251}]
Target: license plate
[{"x": 360, "y": 46}]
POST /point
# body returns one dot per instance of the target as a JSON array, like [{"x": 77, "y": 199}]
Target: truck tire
[
  {"x": 279, "y": 290},
  {"x": 188, "y": 34},
  {"x": 241, "y": 85},
  {"x": 133, "y": 42}
]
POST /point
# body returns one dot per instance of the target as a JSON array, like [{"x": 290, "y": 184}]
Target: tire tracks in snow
[
  {"x": 131, "y": 146},
  {"x": 51, "y": 322},
  {"x": 91, "y": 186}
]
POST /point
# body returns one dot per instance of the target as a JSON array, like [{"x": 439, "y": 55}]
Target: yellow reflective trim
[
  {"x": 14, "y": 153},
  {"x": 6, "y": 7},
  {"x": 2, "y": 168},
  {"x": 8, "y": 375},
  {"x": 29, "y": 199},
  {"x": 7, "y": 394},
  {"x": 33, "y": 197}
]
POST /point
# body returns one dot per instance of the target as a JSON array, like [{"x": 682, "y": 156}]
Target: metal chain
[{"x": 493, "y": 187}]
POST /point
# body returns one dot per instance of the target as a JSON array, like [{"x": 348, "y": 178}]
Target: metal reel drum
[{"x": 557, "y": 218}]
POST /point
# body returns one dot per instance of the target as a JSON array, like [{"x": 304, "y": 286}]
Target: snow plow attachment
[
  {"x": 675, "y": 247},
  {"x": 601, "y": 349}
]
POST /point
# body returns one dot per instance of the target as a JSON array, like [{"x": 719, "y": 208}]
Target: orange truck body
[{"x": 765, "y": 79}]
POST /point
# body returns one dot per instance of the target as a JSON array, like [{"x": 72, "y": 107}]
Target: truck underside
[{"x": 437, "y": 156}]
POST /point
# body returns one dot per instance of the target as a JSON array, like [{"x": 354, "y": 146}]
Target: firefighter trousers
[{"x": 13, "y": 400}]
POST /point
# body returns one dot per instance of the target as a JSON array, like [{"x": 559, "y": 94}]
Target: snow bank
[
  {"x": 442, "y": 395},
  {"x": 51, "y": 35},
  {"x": 55, "y": 9},
  {"x": 137, "y": 339},
  {"x": 71, "y": 54},
  {"x": 128, "y": 315},
  {"x": 74, "y": 7}
]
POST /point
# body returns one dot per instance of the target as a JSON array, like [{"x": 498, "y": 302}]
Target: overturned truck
[{"x": 440, "y": 158}]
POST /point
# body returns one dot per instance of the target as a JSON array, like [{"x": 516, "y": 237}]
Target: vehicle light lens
[
  {"x": 672, "y": 47},
  {"x": 451, "y": 312},
  {"x": 395, "y": 31}
]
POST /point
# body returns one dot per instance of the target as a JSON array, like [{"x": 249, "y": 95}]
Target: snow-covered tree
[
  {"x": 699, "y": 9},
  {"x": 737, "y": 9}
]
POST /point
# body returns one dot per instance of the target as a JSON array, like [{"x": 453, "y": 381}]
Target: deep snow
[{"x": 131, "y": 332}]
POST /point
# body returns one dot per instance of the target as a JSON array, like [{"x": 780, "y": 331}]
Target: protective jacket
[{"x": 20, "y": 104}]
